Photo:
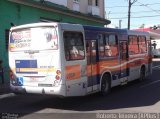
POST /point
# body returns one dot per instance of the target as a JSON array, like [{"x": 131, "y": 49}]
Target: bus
[{"x": 64, "y": 59}]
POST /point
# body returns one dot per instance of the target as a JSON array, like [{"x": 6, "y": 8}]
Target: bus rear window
[
  {"x": 39, "y": 38},
  {"x": 74, "y": 45}
]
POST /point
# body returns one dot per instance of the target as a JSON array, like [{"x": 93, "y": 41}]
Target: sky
[{"x": 145, "y": 12}]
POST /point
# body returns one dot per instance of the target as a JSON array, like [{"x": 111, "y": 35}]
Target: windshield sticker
[
  {"x": 41, "y": 38},
  {"x": 20, "y": 39}
]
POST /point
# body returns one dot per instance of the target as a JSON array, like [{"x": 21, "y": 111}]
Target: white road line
[
  {"x": 158, "y": 66},
  {"x": 156, "y": 59},
  {"x": 7, "y": 95},
  {"x": 150, "y": 83}
]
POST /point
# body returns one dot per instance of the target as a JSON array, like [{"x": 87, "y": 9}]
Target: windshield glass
[{"x": 39, "y": 38}]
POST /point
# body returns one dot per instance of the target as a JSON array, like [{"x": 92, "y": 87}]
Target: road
[{"x": 133, "y": 98}]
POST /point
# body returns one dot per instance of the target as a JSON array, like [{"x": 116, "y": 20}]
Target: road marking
[
  {"x": 7, "y": 95},
  {"x": 158, "y": 66},
  {"x": 156, "y": 59},
  {"x": 150, "y": 83}
]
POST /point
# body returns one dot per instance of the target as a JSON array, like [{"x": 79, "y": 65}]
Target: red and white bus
[{"x": 75, "y": 60}]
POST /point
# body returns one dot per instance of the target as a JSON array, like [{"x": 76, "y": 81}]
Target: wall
[
  {"x": 60, "y": 2},
  {"x": 84, "y": 6}
]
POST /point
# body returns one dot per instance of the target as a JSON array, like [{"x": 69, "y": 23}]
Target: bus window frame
[
  {"x": 145, "y": 44},
  {"x": 129, "y": 52},
  {"x": 104, "y": 35},
  {"x": 65, "y": 50}
]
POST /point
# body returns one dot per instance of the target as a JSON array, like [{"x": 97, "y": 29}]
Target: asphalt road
[{"x": 135, "y": 98}]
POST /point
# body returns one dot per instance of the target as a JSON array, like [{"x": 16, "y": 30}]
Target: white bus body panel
[
  {"x": 76, "y": 87},
  {"x": 40, "y": 75},
  {"x": 43, "y": 80}
]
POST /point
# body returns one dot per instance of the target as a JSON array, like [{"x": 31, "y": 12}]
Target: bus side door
[
  {"x": 124, "y": 69},
  {"x": 92, "y": 70}
]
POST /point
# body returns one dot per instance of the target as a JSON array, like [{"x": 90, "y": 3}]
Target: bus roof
[
  {"x": 131, "y": 32},
  {"x": 100, "y": 29},
  {"x": 34, "y": 25},
  {"x": 65, "y": 26},
  {"x": 80, "y": 27}
]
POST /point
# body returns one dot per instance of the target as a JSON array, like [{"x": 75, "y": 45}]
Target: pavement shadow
[{"x": 134, "y": 94}]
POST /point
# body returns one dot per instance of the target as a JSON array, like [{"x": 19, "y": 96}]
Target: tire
[
  {"x": 142, "y": 74},
  {"x": 105, "y": 85}
]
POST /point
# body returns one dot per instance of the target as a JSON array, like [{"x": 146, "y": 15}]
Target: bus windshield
[{"x": 37, "y": 38}]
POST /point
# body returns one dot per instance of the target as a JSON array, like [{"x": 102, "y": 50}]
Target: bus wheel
[
  {"x": 142, "y": 74},
  {"x": 105, "y": 85}
]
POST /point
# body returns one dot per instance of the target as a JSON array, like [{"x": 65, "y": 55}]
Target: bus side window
[
  {"x": 142, "y": 44},
  {"x": 107, "y": 47},
  {"x": 112, "y": 46},
  {"x": 101, "y": 45},
  {"x": 133, "y": 45},
  {"x": 88, "y": 51},
  {"x": 73, "y": 45},
  {"x": 67, "y": 49}
]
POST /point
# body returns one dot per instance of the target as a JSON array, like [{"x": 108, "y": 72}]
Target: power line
[
  {"x": 133, "y": 5},
  {"x": 136, "y": 17},
  {"x": 146, "y": 5},
  {"x": 132, "y": 12},
  {"x": 120, "y": 6}
]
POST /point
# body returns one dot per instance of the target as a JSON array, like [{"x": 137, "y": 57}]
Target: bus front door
[
  {"x": 124, "y": 70},
  {"x": 92, "y": 69}
]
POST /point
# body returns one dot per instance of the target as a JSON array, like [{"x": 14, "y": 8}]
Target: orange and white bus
[{"x": 75, "y": 60}]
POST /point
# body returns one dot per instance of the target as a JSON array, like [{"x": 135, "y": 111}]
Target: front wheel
[{"x": 105, "y": 85}]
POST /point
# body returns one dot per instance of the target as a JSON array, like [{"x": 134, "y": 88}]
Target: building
[
  {"x": 17, "y": 12},
  {"x": 92, "y": 7}
]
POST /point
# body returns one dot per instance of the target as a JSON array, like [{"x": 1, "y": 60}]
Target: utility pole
[
  {"x": 129, "y": 11},
  {"x": 120, "y": 22}
]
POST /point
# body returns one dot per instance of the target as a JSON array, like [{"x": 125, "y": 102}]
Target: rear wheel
[
  {"x": 105, "y": 84},
  {"x": 142, "y": 74}
]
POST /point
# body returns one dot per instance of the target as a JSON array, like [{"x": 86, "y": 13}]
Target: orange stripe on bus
[
  {"x": 37, "y": 69},
  {"x": 34, "y": 69},
  {"x": 114, "y": 66},
  {"x": 73, "y": 72}
]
